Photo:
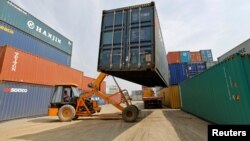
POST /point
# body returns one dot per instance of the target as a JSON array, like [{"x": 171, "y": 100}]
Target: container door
[
  {"x": 139, "y": 47},
  {"x": 112, "y": 41}
]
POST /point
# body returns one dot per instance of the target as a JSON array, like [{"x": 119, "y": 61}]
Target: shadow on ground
[
  {"x": 187, "y": 127},
  {"x": 85, "y": 130}
]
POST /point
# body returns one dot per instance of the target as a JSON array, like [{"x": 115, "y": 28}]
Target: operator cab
[{"x": 64, "y": 94}]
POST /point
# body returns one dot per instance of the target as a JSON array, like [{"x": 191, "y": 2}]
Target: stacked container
[
  {"x": 39, "y": 59},
  {"x": 20, "y": 29},
  {"x": 186, "y": 64}
]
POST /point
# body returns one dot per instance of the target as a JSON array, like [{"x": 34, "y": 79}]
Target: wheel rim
[{"x": 67, "y": 113}]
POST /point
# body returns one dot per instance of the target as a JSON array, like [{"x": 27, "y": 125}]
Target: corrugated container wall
[
  {"x": 206, "y": 55},
  {"x": 20, "y": 66},
  {"x": 131, "y": 45},
  {"x": 195, "y": 56},
  {"x": 171, "y": 97},
  {"x": 241, "y": 48},
  {"x": 185, "y": 56},
  {"x": 23, "y": 100},
  {"x": 221, "y": 94},
  {"x": 17, "y": 17},
  {"x": 195, "y": 68},
  {"x": 173, "y": 57},
  {"x": 19, "y": 39},
  {"x": 178, "y": 73},
  {"x": 86, "y": 80}
]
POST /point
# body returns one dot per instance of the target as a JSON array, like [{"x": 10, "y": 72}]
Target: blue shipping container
[
  {"x": 206, "y": 55},
  {"x": 19, "y": 100},
  {"x": 18, "y": 39},
  {"x": 131, "y": 45},
  {"x": 178, "y": 73},
  {"x": 185, "y": 56},
  {"x": 195, "y": 68},
  {"x": 21, "y": 19}
]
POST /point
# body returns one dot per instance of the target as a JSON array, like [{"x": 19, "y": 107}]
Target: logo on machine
[
  {"x": 14, "y": 62},
  {"x": 15, "y": 90},
  {"x": 42, "y": 31}
]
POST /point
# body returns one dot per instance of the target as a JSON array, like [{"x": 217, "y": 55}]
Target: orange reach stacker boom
[{"x": 68, "y": 105}]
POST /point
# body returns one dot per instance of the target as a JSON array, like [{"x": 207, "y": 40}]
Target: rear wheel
[
  {"x": 66, "y": 113},
  {"x": 135, "y": 108},
  {"x": 129, "y": 114}
]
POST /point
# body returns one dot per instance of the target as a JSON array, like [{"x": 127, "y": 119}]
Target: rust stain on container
[
  {"x": 19, "y": 66},
  {"x": 173, "y": 57},
  {"x": 195, "y": 56},
  {"x": 171, "y": 96}
]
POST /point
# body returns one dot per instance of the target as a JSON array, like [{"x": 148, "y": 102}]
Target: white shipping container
[{"x": 241, "y": 48}]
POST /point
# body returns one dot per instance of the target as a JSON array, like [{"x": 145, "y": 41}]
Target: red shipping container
[
  {"x": 116, "y": 97},
  {"x": 19, "y": 66},
  {"x": 195, "y": 56},
  {"x": 86, "y": 80},
  {"x": 173, "y": 57}
]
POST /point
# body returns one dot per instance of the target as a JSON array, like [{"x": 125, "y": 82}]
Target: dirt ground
[{"x": 152, "y": 125}]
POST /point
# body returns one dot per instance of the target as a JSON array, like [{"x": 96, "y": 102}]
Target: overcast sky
[{"x": 191, "y": 25}]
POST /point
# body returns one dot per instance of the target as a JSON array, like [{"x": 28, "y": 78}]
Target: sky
[{"x": 192, "y": 25}]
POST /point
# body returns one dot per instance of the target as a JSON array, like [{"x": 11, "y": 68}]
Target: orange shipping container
[
  {"x": 173, "y": 57},
  {"x": 86, "y": 80},
  {"x": 19, "y": 66},
  {"x": 195, "y": 56}
]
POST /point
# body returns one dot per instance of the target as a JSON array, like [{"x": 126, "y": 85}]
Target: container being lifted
[{"x": 131, "y": 45}]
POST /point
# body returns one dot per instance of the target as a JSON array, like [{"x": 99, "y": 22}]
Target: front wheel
[
  {"x": 129, "y": 114},
  {"x": 66, "y": 113}
]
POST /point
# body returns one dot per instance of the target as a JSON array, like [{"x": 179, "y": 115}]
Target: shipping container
[
  {"x": 131, "y": 45},
  {"x": 173, "y": 57},
  {"x": 116, "y": 97},
  {"x": 178, "y": 73},
  {"x": 195, "y": 56},
  {"x": 19, "y": 66},
  {"x": 136, "y": 95},
  {"x": 17, "y": 17},
  {"x": 20, "y": 100},
  {"x": 241, "y": 48},
  {"x": 171, "y": 97},
  {"x": 185, "y": 56},
  {"x": 211, "y": 64},
  {"x": 206, "y": 55},
  {"x": 195, "y": 68},
  {"x": 19, "y": 39},
  {"x": 86, "y": 80},
  {"x": 221, "y": 94}
]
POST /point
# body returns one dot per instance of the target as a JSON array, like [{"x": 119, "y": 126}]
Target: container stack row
[
  {"x": 186, "y": 64},
  {"x": 33, "y": 58},
  {"x": 183, "y": 65}
]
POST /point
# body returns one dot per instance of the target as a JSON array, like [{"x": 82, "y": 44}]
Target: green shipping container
[
  {"x": 17, "y": 17},
  {"x": 221, "y": 94}
]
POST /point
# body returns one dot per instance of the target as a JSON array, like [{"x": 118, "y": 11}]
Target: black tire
[
  {"x": 76, "y": 117},
  {"x": 66, "y": 113},
  {"x": 145, "y": 105},
  {"x": 135, "y": 108},
  {"x": 129, "y": 114}
]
